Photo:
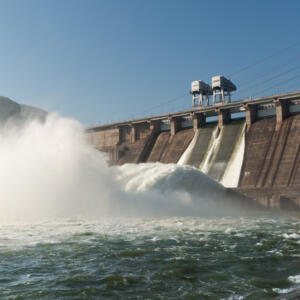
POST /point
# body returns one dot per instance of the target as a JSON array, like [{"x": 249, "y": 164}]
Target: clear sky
[{"x": 109, "y": 60}]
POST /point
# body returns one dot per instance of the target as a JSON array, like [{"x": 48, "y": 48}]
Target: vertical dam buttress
[{"x": 272, "y": 156}]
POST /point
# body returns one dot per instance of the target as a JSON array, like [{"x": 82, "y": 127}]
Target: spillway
[
  {"x": 203, "y": 138},
  {"x": 257, "y": 153},
  {"x": 229, "y": 136}
]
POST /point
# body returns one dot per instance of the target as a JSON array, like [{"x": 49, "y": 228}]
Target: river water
[
  {"x": 73, "y": 228},
  {"x": 150, "y": 258}
]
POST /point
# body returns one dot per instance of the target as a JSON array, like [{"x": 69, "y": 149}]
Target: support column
[
  {"x": 174, "y": 125},
  {"x": 223, "y": 117},
  {"x": 133, "y": 133},
  {"x": 251, "y": 115},
  {"x": 116, "y": 153},
  {"x": 281, "y": 111},
  {"x": 120, "y": 138},
  {"x": 154, "y": 125},
  {"x": 198, "y": 120}
]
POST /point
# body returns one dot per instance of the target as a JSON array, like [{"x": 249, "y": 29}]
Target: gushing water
[
  {"x": 216, "y": 139},
  {"x": 48, "y": 169}
]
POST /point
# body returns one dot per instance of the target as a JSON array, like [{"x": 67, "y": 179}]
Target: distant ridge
[{"x": 15, "y": 112}]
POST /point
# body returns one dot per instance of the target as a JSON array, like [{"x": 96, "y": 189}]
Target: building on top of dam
[
  {"x": 220, "y": 89},
  {"x": 251, "y": 145}
]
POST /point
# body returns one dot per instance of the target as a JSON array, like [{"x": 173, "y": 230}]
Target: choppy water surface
[{"x": 164, "y": 258}]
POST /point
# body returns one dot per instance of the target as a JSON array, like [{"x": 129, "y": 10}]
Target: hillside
[{"x": 12, "y": 111}]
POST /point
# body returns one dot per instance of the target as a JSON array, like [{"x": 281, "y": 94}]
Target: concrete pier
[
  {"x": 174, "y": 125},
  {"x": 251, "y": 114},
  {"x": 281, "y": 111},
  {"x": 198, "y": 120},
  {"x": 223, "y": 117}
]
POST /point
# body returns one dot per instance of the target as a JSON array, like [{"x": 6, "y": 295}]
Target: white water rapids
[{"x": 47, "y": 169}]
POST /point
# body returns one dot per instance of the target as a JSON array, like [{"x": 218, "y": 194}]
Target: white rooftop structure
[
  {"x": 222, "y": 87},
  {"x": 200, "y": 92}
]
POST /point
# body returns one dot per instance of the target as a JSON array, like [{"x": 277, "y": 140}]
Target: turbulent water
[
  {"x": 73, "y": 228},
  {"x": 150, "y": 258}
]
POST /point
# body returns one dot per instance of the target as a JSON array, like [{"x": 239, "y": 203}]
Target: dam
[{"x": 251, "y": 146}]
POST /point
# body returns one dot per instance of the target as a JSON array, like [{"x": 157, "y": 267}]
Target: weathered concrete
[
  {"x": 271, "y": 156},
  {"x": 198, "y": 120},
  {"x": 251, "y": 115},
  {"x": 168, "y": 148},
  {"x": 148, "y": 145},
  {"x": 223, "y": 117},
  {"x": 174, "y": 125},
  {"x": 133, "y": 133},
  {"x": 272, "y": 144},
  {"x": 274, "y": 198},
  {"x": 110, "y": 137},
  {"x": 281, "y": 112}
]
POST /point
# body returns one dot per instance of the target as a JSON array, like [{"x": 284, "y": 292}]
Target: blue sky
[{"x": 110, "y": 60}]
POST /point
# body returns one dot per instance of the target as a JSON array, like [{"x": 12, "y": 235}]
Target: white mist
[{"x": 48, "y": 169}]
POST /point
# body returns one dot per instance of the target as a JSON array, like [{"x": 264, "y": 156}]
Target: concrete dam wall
[{"x": 257, "y": 153}]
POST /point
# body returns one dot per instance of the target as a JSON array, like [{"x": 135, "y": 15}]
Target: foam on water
[
  {"x": 173, "y": 257},
  {"x": 295, "y": 279}
]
